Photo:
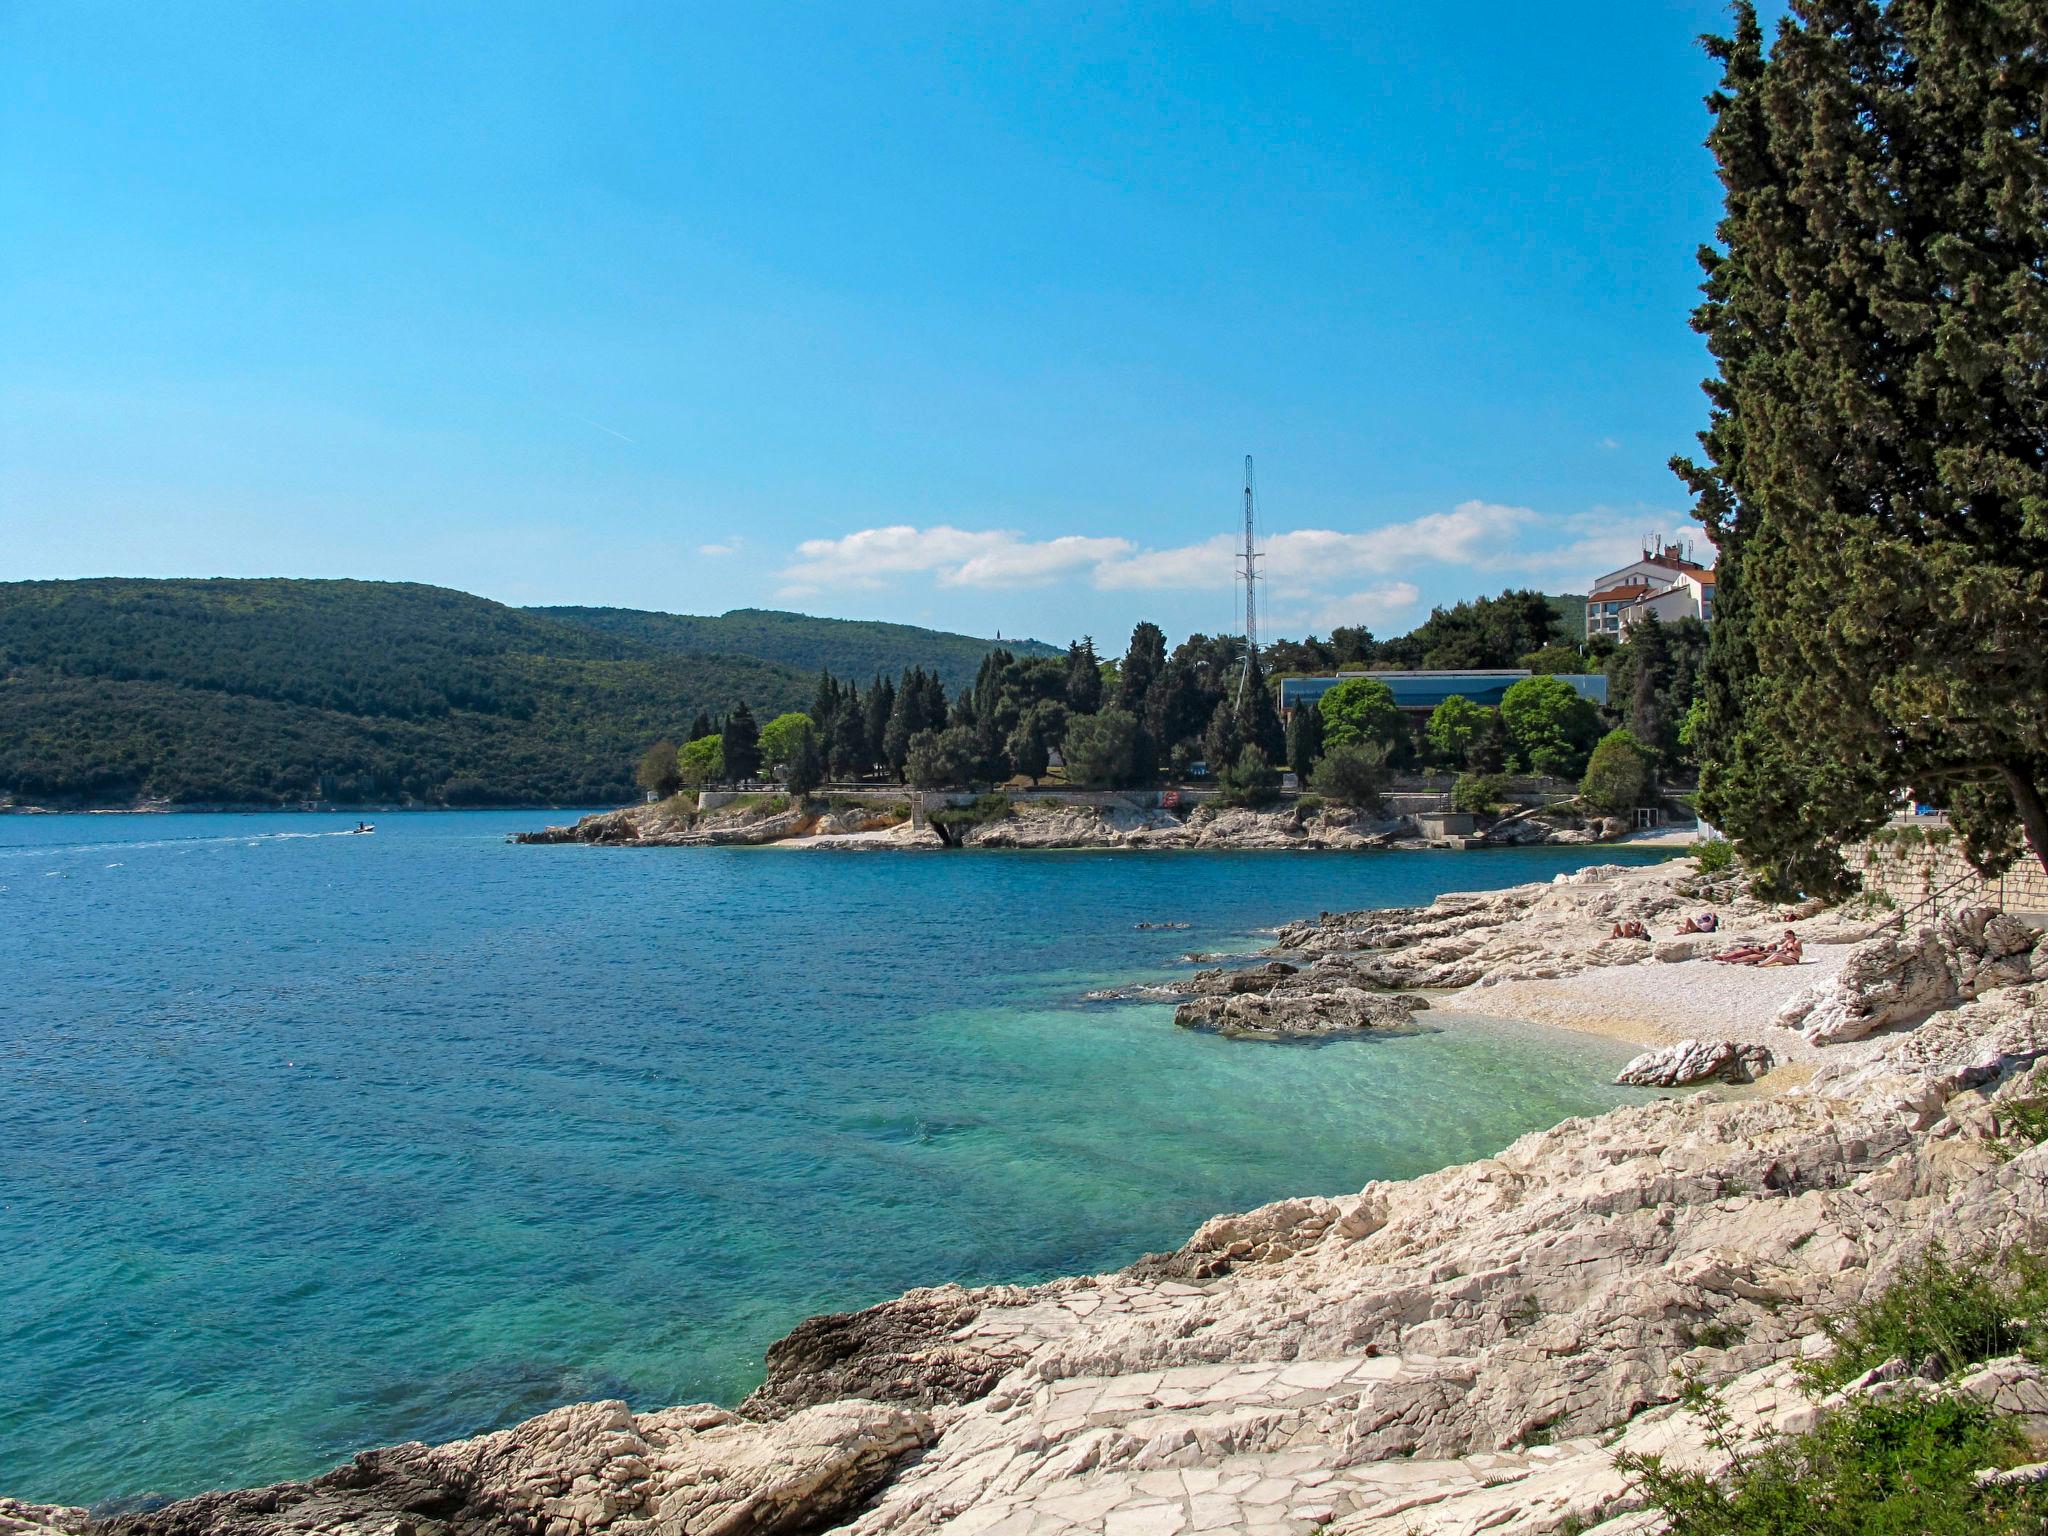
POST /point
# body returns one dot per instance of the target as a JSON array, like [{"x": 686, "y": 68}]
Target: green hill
[
  {"x": 277, "y": 691},
  {"x": 855, "y": 648}
]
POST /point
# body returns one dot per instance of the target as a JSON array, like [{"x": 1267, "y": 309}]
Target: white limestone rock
[{"x": 1697, "y": 1061}]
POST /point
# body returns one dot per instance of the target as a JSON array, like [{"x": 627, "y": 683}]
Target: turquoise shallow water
[{"x": 315, "y": 1142}]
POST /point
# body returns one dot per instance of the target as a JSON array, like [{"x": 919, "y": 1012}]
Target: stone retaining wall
[{"x": 1924, "y": 868}]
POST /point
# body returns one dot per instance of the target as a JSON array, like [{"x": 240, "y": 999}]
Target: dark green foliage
[
  {"x": 1485, "y": 632},
  {"x": 1958, "y": 1311},
  {"x": 804, "y": 764},
  {"x": 1251, "y": 780},
  {"x": 1143, "y": 662},
  {"x": 740, "y": 744},
  {"x": 1304, "y": 740},
  {"x": 1553, "y": 659},
  {"x": 1618, "y": 776},
  {"x": 850, "y": 647},
  {"x": 942, "y": 759},
  {"x": 1352, "y": 773},
  {"x": 701, "y": 727},
  {"x": 1102, "y": 749},
  {"x": 1031, "y": 740},
  {"x": 1361, "y": 709},
  {"x": 658, "y": 772},
  {"x": 1478, "y": 793},
  {"x": 1551, "y": 728},
  {"x": 1653, "y": 681},
  {"x": 1221, "y": 742},
  {"x": 1258, "y": 719},
  {"x": 275, "y": 692},
  {"x": 1874, "y": 474},
  {"x": 1084, "y": 677}
]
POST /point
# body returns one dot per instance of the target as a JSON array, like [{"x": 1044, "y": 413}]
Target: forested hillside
[
  {"x": 854, "y": 648},
  {"x": 275, "y": 692}
]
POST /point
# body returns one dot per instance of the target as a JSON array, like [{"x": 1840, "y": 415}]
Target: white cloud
[
  {"x": 1307, "y": 569},
  {"x": 1375, "y": 607},
  {"x": 716, "y": 550}
]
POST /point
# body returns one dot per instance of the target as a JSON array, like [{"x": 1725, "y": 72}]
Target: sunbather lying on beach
[
  {"x": 1629, "y": 930},
  {"x": 1706, "y": 922},
  {"x": 1787, "y": 951}
]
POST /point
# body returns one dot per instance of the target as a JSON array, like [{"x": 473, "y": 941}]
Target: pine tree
[
  {"x": 701, "y": 727},
  {"x": 906, "y": 719},
  {"x": 741, "y": 743},
  {"x": 1222, "y": 744},
  {"x": 825, "y": 706},
  {"x": 1875, "y": 471},
  {"x": 1084, "y": 677}
]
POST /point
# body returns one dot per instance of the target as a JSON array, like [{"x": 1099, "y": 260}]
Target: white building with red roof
[{"x": 1666, "y": 581}]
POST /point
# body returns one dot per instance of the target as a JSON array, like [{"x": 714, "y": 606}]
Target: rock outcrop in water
[
  {"x": 1039, "y": 824},
  {"x": 1464, "y": 1352},
  {"x": 1278, "y": 1001}
]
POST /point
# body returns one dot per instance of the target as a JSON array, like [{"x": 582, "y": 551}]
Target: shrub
[
  {"x": 1479, "y": 793},
  {"x": 1353, "y": 774},
  {"x": 1309, "y": 805},
  {"x": 1905, "y": 1464},
  {"x": 1618, "y": 777},
  {"x": 1715, "y": 857},
  {"x": 1960, "y": 1312},
  {"x": 1251, "y": 780}
]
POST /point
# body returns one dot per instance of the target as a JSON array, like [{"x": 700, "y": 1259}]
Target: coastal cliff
[{"x": 1471, "y": 1350}]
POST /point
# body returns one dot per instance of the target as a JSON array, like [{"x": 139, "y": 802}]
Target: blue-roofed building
[{"x": 1418, "y": 693}]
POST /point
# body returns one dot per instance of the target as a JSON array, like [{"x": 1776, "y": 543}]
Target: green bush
[
  {"x": 1552, "y": 728},
  {"x": 1309, "y": 805},
  {"x": 1904, "y": 1466},
  {"x": 1456, "y": 726},
  {"x": 1352, "y": 773},
  {"x": 1251, "y": 780},
  {"x": 1480, "y": 794},
  {"x": 1893, "y": 1466},
  {"x": 1960, "y": 1312},
  {"x": 1715, "y": 857}
]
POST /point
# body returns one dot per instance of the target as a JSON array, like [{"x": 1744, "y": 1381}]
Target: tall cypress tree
[
  {"x": 701, "y": 727},
  {"x": 1258, "y": 722},
  {"x": 1304, "y": 740},
  {"x": 881, "y": 705},
  {"x": 741, "y": 744},
  {"x": 1875, "y": 472},
  {"x": 1084, "y": 677}
]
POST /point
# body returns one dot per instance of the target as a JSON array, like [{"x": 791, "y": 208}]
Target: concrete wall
[{"x": 1924, "y": 868}]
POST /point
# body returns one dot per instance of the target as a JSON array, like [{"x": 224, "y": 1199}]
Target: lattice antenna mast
[{"x": 1248, "y": 563}]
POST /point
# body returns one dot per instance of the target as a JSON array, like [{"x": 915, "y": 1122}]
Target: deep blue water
[{"x": 314, "y": 1142}]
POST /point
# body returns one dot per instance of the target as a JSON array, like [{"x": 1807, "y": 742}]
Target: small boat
[{"x": 362, "y": 827}]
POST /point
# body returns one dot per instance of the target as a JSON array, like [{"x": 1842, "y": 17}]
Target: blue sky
[{"x": 962, "y": 315}]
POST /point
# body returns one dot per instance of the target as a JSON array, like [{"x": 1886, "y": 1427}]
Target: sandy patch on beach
[{"x": 1657, "y": 1004}]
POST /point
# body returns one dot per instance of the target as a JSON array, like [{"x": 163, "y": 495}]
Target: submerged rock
[
  {"x": 1282, "y": 1001},
  {"x": 1697, "y": 1061}
]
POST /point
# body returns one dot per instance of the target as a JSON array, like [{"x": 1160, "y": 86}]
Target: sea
[{"x": 311, "y": 1142}]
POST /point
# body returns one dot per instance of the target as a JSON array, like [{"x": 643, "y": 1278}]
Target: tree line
[{"x": 1152, "y": 713}]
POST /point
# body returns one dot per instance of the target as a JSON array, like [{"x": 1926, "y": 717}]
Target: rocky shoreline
[
  {"x": 1466, "y": 1351},
  {"x": 1030, "y": 823}
]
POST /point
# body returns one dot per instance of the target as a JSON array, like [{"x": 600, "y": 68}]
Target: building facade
[{"x": 1666, "y": 582}]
